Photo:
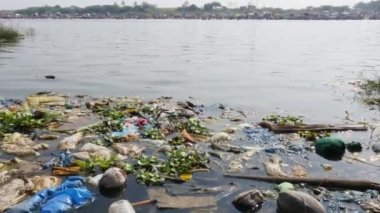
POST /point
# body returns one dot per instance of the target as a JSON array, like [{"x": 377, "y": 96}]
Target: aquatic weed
[
  {"x": 25, "y": 121},
  {"x": 146, "y": 170},
  {"x": 9, "y": 34},
  {"x": 284, "y": 120},
  {"x": 153, "y": 133},
  {"x": 177, "y": 141},
  {"x": 194, "y": 126},
  {"x": 106, "y": 126},
  {"x": 371, "y": 89},
  {"x": 312, "y": 136},
  {"x": 89, "y": 166},
  {"x": 182, "y": 161},
  {"x": 150, "y": 170},
  {"x": 108, "y": 140},
  {"x": 148, "y": 178}
]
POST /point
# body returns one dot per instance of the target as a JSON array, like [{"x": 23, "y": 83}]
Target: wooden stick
[
  {"x": 143, "y": 203},
  {"x": 360, "y": 160},
  {"x": 311, "y": 127},
  {"x": 360, "y": 185}
]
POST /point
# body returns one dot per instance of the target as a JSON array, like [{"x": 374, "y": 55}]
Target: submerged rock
[
  {"x": 121, "y": 206},
  {"x": 354, "y": 147},
  {"x": 49, "y": 76},
  {"x": 112, "y": 183},
  {"x": 376, "y": 147},
  {"x": 249, "y": 201},
  {"x": 330, "y": 148},
  {"x": 298, "y": 202}
]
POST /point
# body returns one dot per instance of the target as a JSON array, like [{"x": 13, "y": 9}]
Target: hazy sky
[{"x": 16, "y": 4}]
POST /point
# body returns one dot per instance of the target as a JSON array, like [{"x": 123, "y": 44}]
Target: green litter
[{"x": 331, "y": 148}]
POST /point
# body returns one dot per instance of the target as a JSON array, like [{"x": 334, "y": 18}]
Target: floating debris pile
[{"x": 179, "y": 151}]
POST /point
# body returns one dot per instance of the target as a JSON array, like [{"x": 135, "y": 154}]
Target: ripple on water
[{"x": 216, "y": 56}]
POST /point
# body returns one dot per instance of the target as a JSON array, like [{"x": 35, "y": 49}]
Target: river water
[
  {"x": 298, "y": 67},
  {"x": 266, "y": 66}
]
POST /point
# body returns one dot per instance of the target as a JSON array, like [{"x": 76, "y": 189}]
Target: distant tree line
[
  {"x": 113, "y": 9},
  {"x": 150, "y": 10},
  {"x": 373, "y": 6}
]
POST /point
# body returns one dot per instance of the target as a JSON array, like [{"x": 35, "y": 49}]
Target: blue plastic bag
[
  {"x": 70, "y": 194},
  {"x": 67, "y": 199},
  {"x": 30, "y": 205}
]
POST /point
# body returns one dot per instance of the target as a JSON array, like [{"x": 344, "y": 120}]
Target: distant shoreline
[
  {"x": 210, "y": 19},
  {"x": 210, "y": 11}
]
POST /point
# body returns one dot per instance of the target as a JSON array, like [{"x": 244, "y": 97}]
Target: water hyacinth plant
[
  {"x": 25, "y": 121},
  {"x": 194, "y": 126},
  {"x": 146, "y": 170},
  {"x": 106, "y": 126},
  {"x": 153, "y": 133},
  {"x": 313, "y": 136},
  {"x": 182, "y": 161},
  {"x": 89, "y": 166},
  {"x": 284, "y": 120},
  {"x": 177, "y": 141}
]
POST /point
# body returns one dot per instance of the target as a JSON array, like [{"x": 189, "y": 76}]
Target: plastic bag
[{"x": 70, "y": 194}]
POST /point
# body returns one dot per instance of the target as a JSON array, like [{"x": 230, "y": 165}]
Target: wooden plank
[
  {"x": 276, "y": 128},
  {"x": 360, "y": 185}
]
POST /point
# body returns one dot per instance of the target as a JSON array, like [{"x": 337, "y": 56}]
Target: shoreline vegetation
[
  {"x": 371, "y": 91},
  {"x": 213, "y": 10},
  {"x": 9, "y": 34}
]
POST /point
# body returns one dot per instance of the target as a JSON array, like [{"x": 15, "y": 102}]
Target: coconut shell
[{"x": 112, "y": 183}]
